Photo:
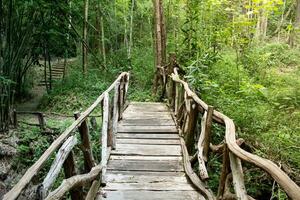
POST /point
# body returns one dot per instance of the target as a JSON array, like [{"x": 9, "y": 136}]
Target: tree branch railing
[
  {"x": 67, "y": 141},
  {"x": 187, "y": 106}
]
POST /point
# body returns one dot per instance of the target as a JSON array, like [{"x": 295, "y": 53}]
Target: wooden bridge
[{"x": 149, "y": 151}]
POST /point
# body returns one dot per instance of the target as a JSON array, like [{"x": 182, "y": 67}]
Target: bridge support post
[
  {"x": 115, "y": 115},
  {"x": 104, "y": 137},
  {"x": 89, "y": 161}
]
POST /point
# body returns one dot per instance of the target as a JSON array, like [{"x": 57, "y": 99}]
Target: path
[{"x": 147, "y": 163}]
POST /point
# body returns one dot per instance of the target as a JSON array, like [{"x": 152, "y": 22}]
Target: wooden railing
[
  {"x": 64, "y": 158},
  {"x": 187, "y": 106}
]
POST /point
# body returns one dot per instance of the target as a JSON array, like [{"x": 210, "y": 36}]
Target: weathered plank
[
  {"x": 137, "y": 149},
  {"x": 147, "y": 115},
  {"x": 145, "y": 165},
  {"x": 147, "y": 122},
  {"x": 150, "y": 195},
  {"x": 146, "y": 173},
  {"x": 148, "y": 136},
  {"x": 133, "y": 178},
  {"x": 154, "y": 186},
  {"x": 131, "y": 157},
  {"x": 148, "y": 141},
  {"x": 152, "y": 108},
  {"x": 147, "y": 129}
]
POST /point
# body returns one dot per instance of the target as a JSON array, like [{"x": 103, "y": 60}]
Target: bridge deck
[{"x": 147, "y": 163}]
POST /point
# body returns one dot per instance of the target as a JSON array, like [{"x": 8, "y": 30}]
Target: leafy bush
[{"x": 262, "y": 97}]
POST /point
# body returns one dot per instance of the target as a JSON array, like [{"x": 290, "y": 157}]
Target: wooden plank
[
  {"x": 147, "y": 141},
  {"x": 144, "y": 179},
  {"x": 147, "y": 107},
  {"x": 137, "y": 149},
  {"x": 147, "y": 122},
  {"x": 146, "y": 173},
  {"x": 147, "y": 129},
  {"x": 148, "y": 136},
  {"x": 129, "y": 157},
  {"x": 148, "y": 117},
  {"x": 150, "y": 195},
  {"x": 146, "y": 113},
  {"x": 147, "y": 103},
  {"x": 145, "y": 165},
  {"x": 154, "y": 186}
]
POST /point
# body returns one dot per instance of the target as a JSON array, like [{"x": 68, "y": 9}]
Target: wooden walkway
[{"x": 147, "y": 163}]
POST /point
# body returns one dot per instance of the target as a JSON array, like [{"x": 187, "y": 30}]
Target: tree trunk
[
  {"x": 160, "y": 43},
  {"x": 130, "y": 30},
  {"x": 98, "y": 31},
  {"x": 262, "y": 23},
  {"x": 103, "y": 41},
  {"x": 85, "y": 32}
]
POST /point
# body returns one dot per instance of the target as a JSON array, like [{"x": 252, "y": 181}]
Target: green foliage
[
  {"x": 264, "y": 104},
  {"x": 142, "y": 74},
  {"x": 77, "y": 92}
]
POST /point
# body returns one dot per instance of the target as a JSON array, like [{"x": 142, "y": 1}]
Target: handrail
[
  {"x": 235, "y": 152},
  {"x": 121, "y": 81}
]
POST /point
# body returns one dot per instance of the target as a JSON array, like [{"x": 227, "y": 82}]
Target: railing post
[
  {"x": 15, "y": 118},
  {"x": 121, "y": 98},
  {"x": 191, "y": 122},
  {"x": 176, "y": 98},
  {"x": 70, "y": 170},
  {"x": 104, "y": 137},
  {"x": 89, "y": 161},
  {"x": 204, "y": 141},
  {"x": 126, "y": 86},
  {"x": 115, "y": 115},
  {"x": 109, "y": 127},
  {"x": 224, "y": 173},
  {"x": 207, "y": 132},
  {"x": 42, "y": 121}
]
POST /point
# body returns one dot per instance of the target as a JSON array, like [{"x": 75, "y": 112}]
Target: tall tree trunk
[
  {"x": 262, "y": 23},
  {"x": 125, "y": 29},
  {"x": 130, "y": 30},
  {"x": 98, "y": 31},
  {"x": 85, "y": 31},
  {"x": 103, "y": 41},
  {"x": 160, "y": 44}
]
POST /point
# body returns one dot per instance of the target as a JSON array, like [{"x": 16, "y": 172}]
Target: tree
[
  {"x": 160, "y": 43},
  {"x": 85, "y": 34}
]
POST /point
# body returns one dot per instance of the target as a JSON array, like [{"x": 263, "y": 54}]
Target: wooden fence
[
  {"x": 64, "y": 158},
  {"x": 187, "y": 106}
]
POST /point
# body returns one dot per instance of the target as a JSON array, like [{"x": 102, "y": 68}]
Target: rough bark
[{"x": 85, "y": 32}]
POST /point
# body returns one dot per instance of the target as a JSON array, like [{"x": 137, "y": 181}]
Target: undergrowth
[{"x": 261, "y": 94}]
